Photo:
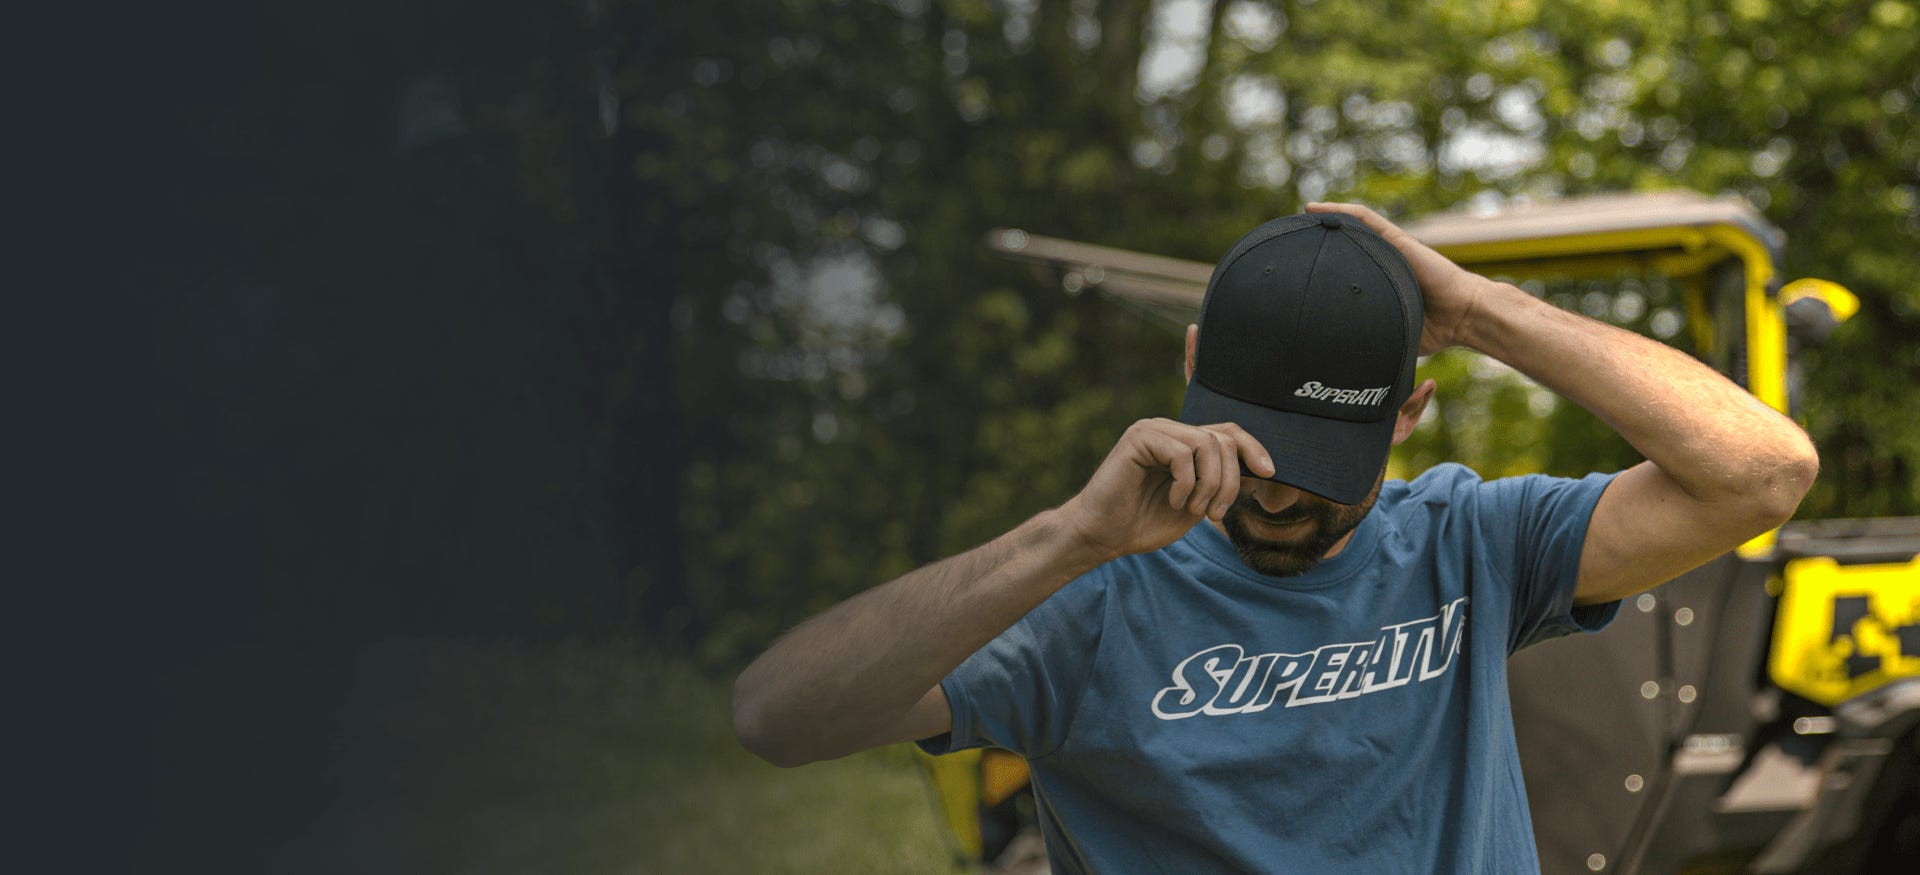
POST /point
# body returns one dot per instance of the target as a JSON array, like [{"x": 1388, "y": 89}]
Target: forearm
[
  {"x": 836, "y": 682},
  {"x": 1715, "y": 441}
]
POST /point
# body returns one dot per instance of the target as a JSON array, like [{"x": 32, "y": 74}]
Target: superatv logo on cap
[{"x": 1341, "y": 396}]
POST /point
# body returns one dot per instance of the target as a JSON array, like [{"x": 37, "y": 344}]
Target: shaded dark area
[
  {"x": 374, "y": 382},
  {"x": 399, "y": 378}
]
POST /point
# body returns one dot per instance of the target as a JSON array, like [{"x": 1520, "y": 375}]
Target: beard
[{"x": 1321, "y": 524}]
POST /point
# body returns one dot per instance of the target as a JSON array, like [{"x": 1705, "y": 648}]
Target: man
[{"x": 1237, "y": 648}]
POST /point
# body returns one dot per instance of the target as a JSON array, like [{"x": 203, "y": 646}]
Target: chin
[
  {"x": 1279, "y": 558},
  {"x": 1276, "y": 563}
]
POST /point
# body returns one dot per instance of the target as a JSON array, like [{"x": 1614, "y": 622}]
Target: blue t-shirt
[{"x": 1184, "y": 713}]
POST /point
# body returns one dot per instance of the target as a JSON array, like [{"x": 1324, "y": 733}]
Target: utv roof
[
  {"x": 1592, "y": 214},
  {"x": 1678, "y": 231}
]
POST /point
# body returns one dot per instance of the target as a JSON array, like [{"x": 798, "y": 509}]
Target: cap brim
[{"x": 1336, "y": 460}]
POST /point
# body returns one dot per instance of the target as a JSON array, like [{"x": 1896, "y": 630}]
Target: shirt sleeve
[
  {"x": 1019, "y": 691},
  {"x": 1535, "y": 527}
]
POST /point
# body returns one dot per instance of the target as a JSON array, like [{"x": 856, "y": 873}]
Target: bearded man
[{"x": 1240, "y": 648}]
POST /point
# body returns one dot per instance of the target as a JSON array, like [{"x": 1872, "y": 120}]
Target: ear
[
  {"x": 1416, "y": 404},
  {"x": 1193, "y": 341}
]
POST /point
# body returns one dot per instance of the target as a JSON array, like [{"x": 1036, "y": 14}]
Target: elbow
[
  {"x": 1788, "y": 479},
  {"x": 752, "y": 727},
  {"x": 761, "y": 745}
]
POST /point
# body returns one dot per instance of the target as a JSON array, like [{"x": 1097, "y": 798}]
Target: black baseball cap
[{"x": 1308, "y": 337}]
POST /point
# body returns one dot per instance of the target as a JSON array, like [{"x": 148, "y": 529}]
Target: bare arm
[
  {"x": 1721, "y": 466},
  {"x": 867, "y": 671}
]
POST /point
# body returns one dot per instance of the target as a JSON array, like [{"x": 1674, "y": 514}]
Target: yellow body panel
[
  {"x": 1873, "y": 606},
  {"x": 956, "y": 781},
  {"x": 1002, "y": 774},
  {"x": 1700, "y": 317},
  {"x": 1682, "y": 252},
  {"x": 1842, "y": 302},
  {"x": 1625, "y": 248},
  {"x": 1766, "y": 328}
]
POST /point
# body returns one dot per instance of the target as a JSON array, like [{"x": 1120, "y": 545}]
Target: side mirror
[{"x": 1814, "y": 307}]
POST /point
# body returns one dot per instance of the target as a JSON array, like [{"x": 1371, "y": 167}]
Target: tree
[{"x": 870, "y": 393}]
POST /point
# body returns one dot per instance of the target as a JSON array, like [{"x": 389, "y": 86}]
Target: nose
[{"x": 1273, "y": 497}]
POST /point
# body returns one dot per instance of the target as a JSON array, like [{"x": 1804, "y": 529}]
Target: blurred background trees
[
  {"x": 596, "y": 317},
  {"x": 905, "y": 396}
]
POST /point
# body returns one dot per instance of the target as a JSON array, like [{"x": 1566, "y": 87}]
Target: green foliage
[
  {"x": 589, "y": 759},
  {"x": 865, "y": 390},
  {"x": 1805, "y": 109}
]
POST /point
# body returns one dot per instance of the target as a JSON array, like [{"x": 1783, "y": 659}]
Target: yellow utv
[{"x": 1755, "y": 715}]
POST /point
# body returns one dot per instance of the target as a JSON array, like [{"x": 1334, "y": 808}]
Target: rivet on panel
[{"x": 1814, "y": 725}]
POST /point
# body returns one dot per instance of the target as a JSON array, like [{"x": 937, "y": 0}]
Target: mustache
[{"x": 1289, "y": 517}]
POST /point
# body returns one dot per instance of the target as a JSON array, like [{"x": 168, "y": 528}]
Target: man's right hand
[
  {"x": 1159, "y": 479},
  {"x": 867, "y": 671}
]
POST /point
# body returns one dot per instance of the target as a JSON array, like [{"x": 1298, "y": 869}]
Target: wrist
[
  {"x": 1493, "y": 303},
  {"x": 1066, "y": 541}
]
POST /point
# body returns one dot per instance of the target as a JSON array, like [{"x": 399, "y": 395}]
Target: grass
[{"x": 479, "y": 759}]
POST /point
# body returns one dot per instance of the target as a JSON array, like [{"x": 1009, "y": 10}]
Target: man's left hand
[{"x": 1451, "y": 292}]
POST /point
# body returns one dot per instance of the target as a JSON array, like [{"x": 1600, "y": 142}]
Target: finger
[
  {"x": 1206, "y": 474},
  {"x": 1176, "y": 456},
  {"x": 1229, "y": 489},
  {"x": 1366, "y": 215},
  {"x": 1179, "y": 457},
  {"x": 1428, "y": 266},
  {"x": 1251, "y": 452},
  {"x": 1216, "y": 468}
]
